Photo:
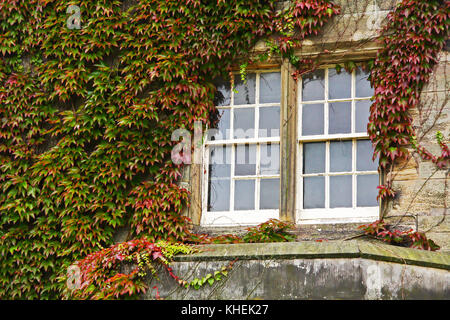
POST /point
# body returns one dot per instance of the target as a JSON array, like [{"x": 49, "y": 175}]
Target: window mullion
[
  {"x": 232, "y": 180},
  {"x": 205, "y": 172},
  {"x": 353, "y": 103},
  {"x": 354, "y": 174},
  {"x": 257, "y": 105},
  {"x": 257, "y": 84},
  {"x": 288, "y": 143},
  {"x": 258, "y": 176},
  {"x": 326, "y": 105},
  {"x": 300, "y": 170},
  {"x": 327, "y": 143},
  {"x": 327, "y": 176}
]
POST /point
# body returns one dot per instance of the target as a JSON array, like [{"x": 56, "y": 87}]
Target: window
[
  {"x": 337, "y": 178},
  {"x": 242, "y": 153}
]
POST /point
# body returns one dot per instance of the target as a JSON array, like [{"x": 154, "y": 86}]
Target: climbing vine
[
  {"x": 272, "y": 230},
  {"x": 97, "y": 276},
  {"x": 87, "y": 115},
  {"x": 89, "y": 98},
  {"x": 384, "y": 232},
  {"x": 411, "y": 41},
  {"x": 122, "y": 270}
]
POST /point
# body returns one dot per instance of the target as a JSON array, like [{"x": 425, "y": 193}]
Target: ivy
[
  {"x": 382, "y": 231},
  {"x": 293, "y": 25},
  {"x": 414, "y": 35},
  {"x": 98, "y": 276},
  {"x": 273, "y": 230},
  {"x": 87, "y": 116},
  {"x": 210, "y": 278},
  {"x": 86, "y": 122}
]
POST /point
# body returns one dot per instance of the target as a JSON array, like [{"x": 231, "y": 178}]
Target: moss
[{"x": 317, "y": 250}]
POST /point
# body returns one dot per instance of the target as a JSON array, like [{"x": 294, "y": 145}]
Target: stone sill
[{"x": 319, "y": 250}]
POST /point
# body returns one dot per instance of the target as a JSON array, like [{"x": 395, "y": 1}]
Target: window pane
[
  {"x": 221, "y": 131},
  {"x": 340, "y": 114},
  {"x": 340, "y": 156},
  {"x": 313, "y": 85},
  {"x": 367, "y": 190},
  {"x": 314, "y": 157},
  {"x": 223, "y": 93},
  {"x": 219, "y": 195},
  {"x": 269, "y": 193},
  {"x": 339, "y": 84},
  {"x": 363, "y": 86},
  {"x": 244, "y": 195},
  {"x": 245, "y": 93},
  {"x": 362, "y": 114},
  {"x": 364, "y": 152},
  {"x": 340, "y": 191},
  {"x": 270, "y": 159},
  {"x": 245, "y": 160},
  {"x": 270, "y": 87},
  {"x": 219, "y": 161},
  {"x": 269, "y": 122},
  {"x": 313, "y": 192},
  {"x": 312, "y": 119},
  {"x": 244, "y": 123}
]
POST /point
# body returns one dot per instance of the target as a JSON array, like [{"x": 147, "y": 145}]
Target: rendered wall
[{"x": 311, "y": 270}]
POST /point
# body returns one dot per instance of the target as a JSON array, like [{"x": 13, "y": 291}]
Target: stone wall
[
  {"x": 310, "y": 270},
  {"x": 422, "y": 192}
]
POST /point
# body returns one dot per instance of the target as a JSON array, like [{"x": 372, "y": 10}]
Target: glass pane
[
  {"x": 340, "y": 114},
  {"x": 219, "y": 161},
  {"x": 340, "y": 156},
  {"x": 269, "y": 193},
  {"x": 270, "y": 159},
  {"x": 313, "y": 85},
  {"x": 244, "y": 123},
  {"x": 219, "y": 195},
  {"x": 340, "y": 191},
  {"x": 366, "y": 192},
  {"x": 364, "y": 153},
  {"x": 362, "y": 83},
  {"x": 314, "y": 157},
  {"x": 244, "y": 195},
  {"x": 362, "y": 113},
  {"x": 221, "y": 131},
  {"x": 245, "y": 93},
  {"x": 269, "y": 122},
  {"x": 313, "y": 192},
  {"x": 270, "y": 87},
  {"x": 223, "y": 93},
  {"x": 245, "y": 160},
  {"x": 312, "y": 119},
  {"x": 339, "y": 84}
]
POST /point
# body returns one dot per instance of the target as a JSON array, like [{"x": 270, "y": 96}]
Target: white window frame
[
  {"x": 331, "y": 215},
  {"x": 240, "y": 217}
]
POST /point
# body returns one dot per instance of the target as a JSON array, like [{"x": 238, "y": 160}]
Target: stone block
[
  {"x": 421, "y": 195},
  {"x": 267, "y": 251},
  {"x": 440, "y": 78},
  {"x": 442, "y": 239}
]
